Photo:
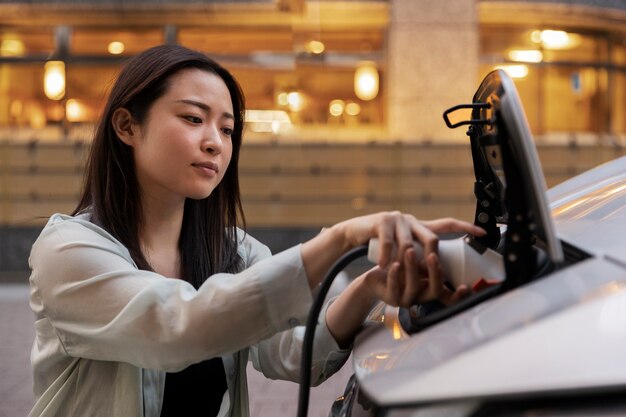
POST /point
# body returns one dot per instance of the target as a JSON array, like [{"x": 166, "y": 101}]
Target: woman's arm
[
  {"x": 84, "y": 283},
  {"x": 280, "y": 356},
  {"x": 101, "y": 307}
]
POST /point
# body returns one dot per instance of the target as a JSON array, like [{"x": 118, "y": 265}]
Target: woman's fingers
[
  {"x": 401, "y": 284},
  {"x": 424, "y": 235},
  {"x": 383, "y": 282},
  {"x": 435, "y": 279},
  {"x": 386, "y": 238},
  {"x": 403, "y": 232},
  {"x": 393, "y": 283},
  {"x": 394, "y": 236},
  {"x": 460, "y": 293},
  {"x": 411, "y": 279},
  {"x": 406, "y": 283},
  {"x": 398, "y": 280},
  {"x": 396, "y": 232},
  {"x": 449, "y": 297},
  {"x": 400, "y": 231},
  {"x": 451, "y": 225}
]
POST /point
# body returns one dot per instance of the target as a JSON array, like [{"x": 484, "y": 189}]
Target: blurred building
[{"x": 345, "y": 97}]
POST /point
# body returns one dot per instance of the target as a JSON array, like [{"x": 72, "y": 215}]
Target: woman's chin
[{"x": 200, "y": 195}]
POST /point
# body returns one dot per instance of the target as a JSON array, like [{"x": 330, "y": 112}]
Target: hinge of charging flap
[{"x": 466, "y": 122}]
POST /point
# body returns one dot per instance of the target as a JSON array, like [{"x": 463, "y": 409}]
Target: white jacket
[{"x": 106, "y": 332}]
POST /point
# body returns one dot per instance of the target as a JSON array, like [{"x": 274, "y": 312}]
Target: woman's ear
[{"x": 123, "y": 125}]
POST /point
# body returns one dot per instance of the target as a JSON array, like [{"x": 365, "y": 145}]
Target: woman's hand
[
  {"x": 402, "y": 281},
  {"x": 410, "y": 280},
  {"x": 393, "y": 230},
  {"x": 396, "y": 230},
  {"x": 405, "y": 283}
]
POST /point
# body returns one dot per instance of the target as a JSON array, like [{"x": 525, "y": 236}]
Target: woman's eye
[
  {"x": 193, "y": 119},
  {"x": 227, "y": 131}
]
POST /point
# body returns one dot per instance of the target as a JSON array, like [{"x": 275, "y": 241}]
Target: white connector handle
[{"x": 461, "y": 263}]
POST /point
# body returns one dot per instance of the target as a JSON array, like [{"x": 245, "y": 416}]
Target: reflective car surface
[{"x": 550, "y": 339}]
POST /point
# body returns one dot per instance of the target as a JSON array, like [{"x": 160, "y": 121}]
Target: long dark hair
[{"x": 110, "y": 191}]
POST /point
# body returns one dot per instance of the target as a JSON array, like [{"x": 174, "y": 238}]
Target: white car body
[{"x": 564, "y": 332}]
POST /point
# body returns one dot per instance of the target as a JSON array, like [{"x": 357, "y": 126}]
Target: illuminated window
[
  {"x": 297, "y": 69},
  {"x": 564, "y": 76},
  {"x": 21, "y": 42}
]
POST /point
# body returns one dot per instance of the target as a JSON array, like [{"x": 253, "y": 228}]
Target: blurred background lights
[
  {"x": 282, "y": 99},
  {"x": 295, "y": 101},
  {"x": 315, "y": 47},
  {"x": 54, "y": 80},
  {"x": 11, "y": 47},
  {"x": 268, "y": 121},
  {"x": 526, "y": 55},
  {"x": 116, "y": 48},
  {"x": 366, "y": 81},
  {"x": 353, "y": 109},
  {"x": 16, "y": 108},
  {"x": 36, "y": 118},
  {"x": 515, "y": 71},
  {"x": 555, "y": 39},
  {"x": 336, "y": 107},
  {"x": 75, "y": 111}
]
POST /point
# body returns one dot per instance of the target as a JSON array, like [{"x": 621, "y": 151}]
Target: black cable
[{"x": 311, "y": 323}]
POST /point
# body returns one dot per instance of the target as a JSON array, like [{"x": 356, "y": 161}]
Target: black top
[{"x": 195, "y": 391}]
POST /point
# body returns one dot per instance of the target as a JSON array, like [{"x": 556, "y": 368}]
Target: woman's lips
[{"x": 208, "y": 168}]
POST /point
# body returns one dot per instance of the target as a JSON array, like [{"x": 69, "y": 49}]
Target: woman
[{"x": 151, "y": 273}]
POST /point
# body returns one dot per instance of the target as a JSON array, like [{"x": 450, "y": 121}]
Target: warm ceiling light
[
  {"x": 555, "y": 39},
  {"x": 515, "y": 71},
  {"x": 54, "y": 80},
  {"x": 353, "y": 109},
  {"x": 366, "y": 81},
  {"x": 282, "y": 99},
  {"x": 526, "y": 55},
  {"x": 75, "y": 111},
  {"x": 295, "y": 101},
  {"x": 116, "y": 48},
  {"x": 336, "y": 107},
  {"x": 315, "y": 47},
  {"x": 11, "y": 47}
]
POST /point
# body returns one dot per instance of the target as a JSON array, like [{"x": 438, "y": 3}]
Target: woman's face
[{"x": 184, "y": 146}]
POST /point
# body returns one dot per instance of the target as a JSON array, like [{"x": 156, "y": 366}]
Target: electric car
[{"x": 544, "y": 331}]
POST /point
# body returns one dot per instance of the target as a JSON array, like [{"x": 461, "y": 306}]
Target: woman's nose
[{"x": 212, "y": 141}]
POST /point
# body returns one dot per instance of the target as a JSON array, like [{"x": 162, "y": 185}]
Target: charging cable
[{"x": 309, "y": 333}]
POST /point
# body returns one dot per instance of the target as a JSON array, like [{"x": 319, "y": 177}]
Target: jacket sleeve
[
  {"x": 279, "y": 356},
  {"x": 102, "y": 307}
]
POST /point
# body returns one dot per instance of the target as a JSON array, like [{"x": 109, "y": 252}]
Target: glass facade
[
  {"x": 571, "y": 81},
  {"x": 295, "y": 79},
  {"x": 298, "y": 69}
]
